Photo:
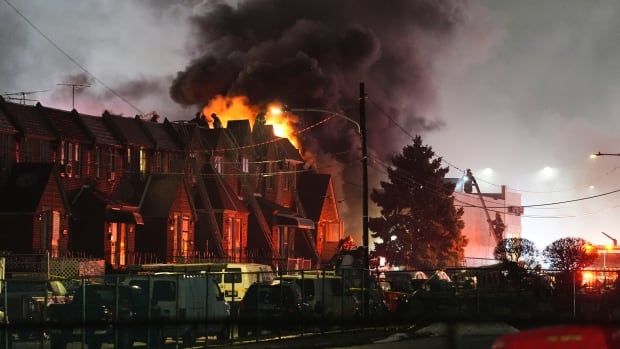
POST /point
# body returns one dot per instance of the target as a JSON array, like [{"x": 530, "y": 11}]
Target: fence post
[
  {"x": 149, "y": 321},
  {"x": 323, "y": 301},
  {"x": 303, "y": 301},
  {"x": 281, "y": 310},
  {"x": 207, "y": 284},
  {"x": 83, "y": 311},
  {"x": 116, "y": 302},
  {"x": 574, "y": 295},
  {"x": 257, "y": 327},
  {"x": 478, "y": 291},
  {"x": 7, "y": 332},
  {"x": 176, "y": 314}
]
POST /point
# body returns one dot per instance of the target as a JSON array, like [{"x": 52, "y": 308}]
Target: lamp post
[{"x": 361, "y": 129}]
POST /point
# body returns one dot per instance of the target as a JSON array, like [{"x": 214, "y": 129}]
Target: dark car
[
  {"x": 103, "y": 307},
  {"x": 27, "y": 300},
  {"x": 275, "y": 307}
]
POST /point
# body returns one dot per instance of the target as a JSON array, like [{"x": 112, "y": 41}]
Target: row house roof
[
  {"x": 285, "y": 150},
  {"x": 98, "y": 128},
  {"x": 65, "y": 124},
  {"x": 161, "y": 135},
  {"x": 6, "y": 126},
  {"x": 25, "y": 187},
  {"x": 241, "y": 131},
  {"x": 27, "y": 120},
  {"x": 160, "y": 193},
  {"x": 128, "y": 130}
]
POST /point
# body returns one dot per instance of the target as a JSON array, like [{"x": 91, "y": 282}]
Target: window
[
  {"x": 185, "y": 236},
  {"x": 143, "y": 162},
  {"x": 112, "y": 159},
  {"x": 158, "y": 162},
  {"x": 5, "y": 144},
  {"x": 97, "y": 162},
  {"x": 129, "y": 161},
  {"x": 245, "y": 165},
  {"x": 43, "y": 151},
  {"x": 27, "y": 150},
  {"x": 77, "y": 160},
  {"x": 232, "y": 275},
  {"x": 217, "y": 163}
]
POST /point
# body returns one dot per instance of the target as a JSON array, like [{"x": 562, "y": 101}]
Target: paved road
[{"x": 436, "y": 336}]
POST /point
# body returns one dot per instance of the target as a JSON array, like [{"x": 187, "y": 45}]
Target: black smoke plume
[{"x": 314, "y": 54}]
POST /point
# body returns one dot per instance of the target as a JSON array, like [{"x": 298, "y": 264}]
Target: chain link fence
[{"x": 214, "y": 306}]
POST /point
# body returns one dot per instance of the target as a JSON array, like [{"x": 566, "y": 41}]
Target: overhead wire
[
  {"x": 494, "y": 209},
  {"x": 392, "y": 119}
]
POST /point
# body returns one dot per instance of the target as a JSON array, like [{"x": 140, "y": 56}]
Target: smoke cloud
[{"x": 314, "y": 54}]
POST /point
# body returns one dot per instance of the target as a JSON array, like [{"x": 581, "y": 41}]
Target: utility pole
[
  {"x": 364, "y": 176},
  {"x": 73, "y": 86},
  {"x": 365, "y": 239}
]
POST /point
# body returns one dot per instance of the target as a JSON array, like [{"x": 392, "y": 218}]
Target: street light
[
  {"x": 361, "y": 129},
  {"x": 594, "y": 156}
]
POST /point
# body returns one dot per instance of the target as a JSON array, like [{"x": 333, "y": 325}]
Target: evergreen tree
[
  {"x": 419, "y": 225},
  {"x": 520, "y": 251},
  {"x": 570, "y": 253}
]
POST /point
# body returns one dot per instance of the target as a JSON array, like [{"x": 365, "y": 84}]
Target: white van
[
  {"x": 236, "y": 278},
  {"x": 326, "y": 293},
  {"x": 195, "y": 302}
]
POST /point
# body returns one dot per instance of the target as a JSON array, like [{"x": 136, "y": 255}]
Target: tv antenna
[
  {"x": 73, "y": 86},
  {"x": 21, "y": 96}
]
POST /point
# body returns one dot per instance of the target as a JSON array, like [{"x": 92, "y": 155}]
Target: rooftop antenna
[
  {"x": 73, "y": 86},
  {"x": 21, "y": 96}
]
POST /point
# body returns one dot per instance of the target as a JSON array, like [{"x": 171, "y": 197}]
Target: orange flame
[
  {"x": 230, "y": 108},
  {"x": 239, "y": 108}
]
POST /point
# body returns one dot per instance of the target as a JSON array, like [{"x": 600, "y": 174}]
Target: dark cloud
[{"x": 315, "y": 53}]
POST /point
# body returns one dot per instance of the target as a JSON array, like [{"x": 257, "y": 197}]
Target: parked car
[
  {"x": 27, "y": 301},
  {"x": 183, "y": 305},
  {"x": 326, "y": 295},
  {"x": 238, "y": 277},
  {"x": 274, "y": 307},
  {"x": 102, "y": 308},
  {"x": 6, "y": 339}
]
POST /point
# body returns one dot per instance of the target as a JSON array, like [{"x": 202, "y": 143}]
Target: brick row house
[{"x": 132, "y": 190}]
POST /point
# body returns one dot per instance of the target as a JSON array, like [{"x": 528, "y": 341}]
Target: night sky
[{"x": 514, "y": 86}]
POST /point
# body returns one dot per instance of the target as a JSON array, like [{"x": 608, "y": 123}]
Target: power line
[
  {"x": 392, "y": 119},
  {"x": 111, "y": 90},
  {"x": 491, "y": 208},
  {"x": 401, "y": 128}
]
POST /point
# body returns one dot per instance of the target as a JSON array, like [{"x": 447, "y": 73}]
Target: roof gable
[
  {"x": 240, "y": 131},
  {"x": 25, "y": 187},
  {"x": 6, "y": 126},
  {"x": 98, "y": 128},
  {"x": 160, "y": 134},
  {"x": 27, "y": 120},
  {"x": 313, "y": 189},
  {"x": 65, "y": 124},
  {"x": 221, "y": 195},
  {"x": 128, "y": 130},
  {"x": 160, "y": 194}
]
